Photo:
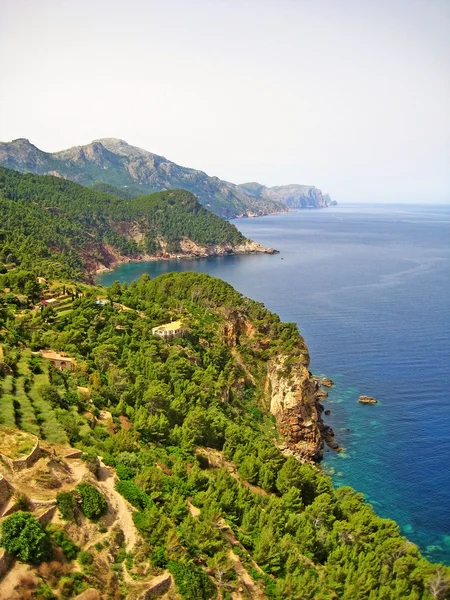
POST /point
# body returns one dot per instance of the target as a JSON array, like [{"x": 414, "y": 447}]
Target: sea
[{"x": 369, "y": 287}]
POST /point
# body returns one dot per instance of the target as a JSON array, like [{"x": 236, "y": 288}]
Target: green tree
[
  {"x": 23, "y": 536},
  {"x": 92, "y": 502},
  {"x": 290, "y": 475}
]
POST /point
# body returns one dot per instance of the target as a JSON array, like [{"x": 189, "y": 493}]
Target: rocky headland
[{"x": 111, "y": 259}]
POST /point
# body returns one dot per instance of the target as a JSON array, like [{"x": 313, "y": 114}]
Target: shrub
[
  {"x": 35, "y": 365},
  {"x": 93, "y": 503},
  {"x": 133, "y": 494},
  {"x": 129, "y": 459},
  {"x": 92, "y": 462},
  {"x": 191, "y": 581},
  {"x": 85, "y": 558},
  {"x": 124, "y": 472},
  {"x": 22, "y": 501},
  {"x": 72, "y": 584},
  {"x": 66, "y": 505},
  {"x": 45, "y": 592},
  {"x": 158, "y": 557},
  {"x": 69, "y": 548},
  {"x": 23, "y": 536}
]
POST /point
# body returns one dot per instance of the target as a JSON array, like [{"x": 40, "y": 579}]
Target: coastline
[{"x": 192, "y": 251}]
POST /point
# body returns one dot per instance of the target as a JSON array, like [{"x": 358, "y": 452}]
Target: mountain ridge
[{"x": 114, "y": 162}]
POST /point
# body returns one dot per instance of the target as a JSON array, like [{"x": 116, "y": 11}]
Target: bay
[{"x": 369, "y": 287}]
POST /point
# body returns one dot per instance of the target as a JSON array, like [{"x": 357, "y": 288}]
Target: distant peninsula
[{"x": 136, "y": 172}]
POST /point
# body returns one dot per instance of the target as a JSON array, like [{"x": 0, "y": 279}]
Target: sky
[{"x": 352, "y": 96}]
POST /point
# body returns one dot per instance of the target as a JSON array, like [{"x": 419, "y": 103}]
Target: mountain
[
  {"x": 293, "y": 196},
  {"x": 114, "y": 162},
  {"x": 54, "y": 226}
]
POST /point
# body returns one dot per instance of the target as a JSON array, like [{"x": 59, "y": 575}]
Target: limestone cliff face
[
  {"x": 111, "y": 258},
  {"x": 289, "y": 390},
  {"x": 294, "y": 404},
  {"x": 293, "y": 195},
  {"x": 190, "y": 248}
]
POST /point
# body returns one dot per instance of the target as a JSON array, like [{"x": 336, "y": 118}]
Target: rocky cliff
[
  {"x": 108, "y": 258},
  {"x": 293, "y": 196},
  {"x": 290, "y": 392},
  {"x": 295, "y": 407}
]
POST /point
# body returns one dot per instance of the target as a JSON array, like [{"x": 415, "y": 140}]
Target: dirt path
[
  {"x": 123, "y": 511},
  {"x": 218, "y": 461},
  {"x": 253, "y": 591},
  {"x": 242, "y": 364}
]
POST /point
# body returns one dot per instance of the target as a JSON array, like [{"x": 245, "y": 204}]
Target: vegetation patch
[
  {"x": 92, "y": 502},
  {"x": 23, "y": 536},
  {"x": 16, "y": 444},
  {"x": 66, "y": 505},
  {"x": 192, "y": 583}
]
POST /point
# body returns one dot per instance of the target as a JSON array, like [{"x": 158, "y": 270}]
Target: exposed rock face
[
  {"x": 158, "y": 586},
  {"x": 188, "y": 249},
  {"x": 367, "y": 400},
  {"x": 293, "y": 196},
  {"x": 289, "y": 388},
  {"x": 6, "y": 491},
  {"x": 249, "y": 247},
  {"x": 294, "y": 405}
]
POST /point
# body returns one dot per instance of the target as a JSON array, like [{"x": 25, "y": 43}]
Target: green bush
[
  {"x": 23, "y": 536},
  {"x": 85, "y": 558},
  {"x": 158, "y": 557},
  {"x": 124, "y": 472},
  {"x": 69, "y": 548},
  {"x": 44, "y": 592},
  {"x": 35, "y": 365},
  {"x": 192, "y": 583},
  {"x": 66, "y": 505},
  {"x": 93, "y": 503},
  {"x": 133, "y": 494}
]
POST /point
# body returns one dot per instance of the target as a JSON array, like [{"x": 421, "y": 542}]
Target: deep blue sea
[{"x": 369, "y": 287}]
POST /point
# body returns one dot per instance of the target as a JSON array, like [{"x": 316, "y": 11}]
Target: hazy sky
[{"x": 352, "y": 96}]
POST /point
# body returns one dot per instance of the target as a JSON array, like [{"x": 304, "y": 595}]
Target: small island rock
[{"x": 367, "y": 400}]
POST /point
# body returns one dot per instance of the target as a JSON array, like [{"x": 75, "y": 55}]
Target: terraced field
[{"x": 22, "y": 405}]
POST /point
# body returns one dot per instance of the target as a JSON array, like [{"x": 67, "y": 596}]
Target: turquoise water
[{"x": 370, "y": 290}]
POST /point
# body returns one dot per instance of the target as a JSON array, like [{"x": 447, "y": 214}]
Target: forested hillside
[
  {"x": 219, "y": 501},
  {"x": 58, "y": 228}
]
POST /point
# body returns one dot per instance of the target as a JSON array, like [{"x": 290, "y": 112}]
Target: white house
[{"x": 169, "y": 330}]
